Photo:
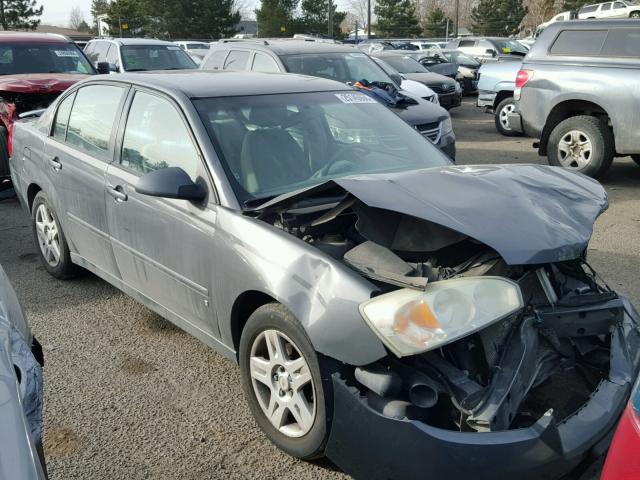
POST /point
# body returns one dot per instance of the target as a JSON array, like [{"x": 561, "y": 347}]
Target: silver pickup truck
[
  {"x": 578, "y": 93},
  {"x": 496, "y": 82}
]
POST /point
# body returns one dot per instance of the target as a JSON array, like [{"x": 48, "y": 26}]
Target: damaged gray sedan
[{"x": 403, "y": 316}]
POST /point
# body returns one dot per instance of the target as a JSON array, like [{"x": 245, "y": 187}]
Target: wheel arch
[
  {"x": 501, "y": 95},
  {"x": 243, "y": 307},
  {"x": 32, "y": 191},
  {"x": 567, "y": 109}
]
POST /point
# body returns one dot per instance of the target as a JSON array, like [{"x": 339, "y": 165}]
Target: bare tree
[
  {"x": 539, "y": 11},
  {"x": 359, "y": 10},
  {"x": 76, "y": 18}
]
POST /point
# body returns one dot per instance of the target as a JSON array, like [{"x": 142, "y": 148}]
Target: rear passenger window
[
  {"x": 466, "y": 43},
  {"x": 579, "y": 42},
  {"x": 605, "y": 7},
  {"x": 214, "y": 62},
  {"x": 264, "y": 63},
  {"x": 618, "y": 5},
  {"x": 589, "y": 9},
  {"x": 62, "y": 118},
  {"x": 92, "y": 118},
  {"x": 622, "y": 42},
  {"x": 156, "y": 137},
  {"x": 237, "y": 60}
]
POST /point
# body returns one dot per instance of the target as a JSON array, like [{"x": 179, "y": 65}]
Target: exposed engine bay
[
  {"x": 13, "y": 104},
  {"x": 547, "y": 358}
]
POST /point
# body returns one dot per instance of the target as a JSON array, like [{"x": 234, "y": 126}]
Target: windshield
[
  {"x": 509, "y": 46},
  {"x": 343, "y": 67},
  {"x": 461, "y": 59},
  {"x": 42, "y": 58},
  {"x": 155, "y": 57},
  {"x": 404, "y": 64},
  {"x": 274, "y": 144}
]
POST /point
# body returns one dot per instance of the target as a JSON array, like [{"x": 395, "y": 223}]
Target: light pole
[
  {"x": 368, "y": 19},
  {"x": 457, "y": 17}
]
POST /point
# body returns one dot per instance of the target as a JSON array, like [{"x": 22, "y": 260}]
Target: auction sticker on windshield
[
  {"x": 354, "y": 98},
  {"x": 66, "y": 53}
]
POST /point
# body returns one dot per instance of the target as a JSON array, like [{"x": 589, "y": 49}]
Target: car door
[
  {"x": 78, "y": 151},
  {"x": 619, "y": 10},
  {"x": 605, "y": 11},
  {"x": 162, "y": 246}
]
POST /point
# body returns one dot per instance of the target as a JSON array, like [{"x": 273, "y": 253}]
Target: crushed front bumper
[{"x": 367, "y": 444}]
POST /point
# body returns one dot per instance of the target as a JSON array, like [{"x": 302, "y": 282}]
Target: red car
[
  {"x": 34, "y": 69},
  {"x": 623, "y": 459}
]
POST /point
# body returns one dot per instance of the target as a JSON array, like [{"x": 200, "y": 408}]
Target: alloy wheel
[
  {"x": 575, "y": 150},
  {"x": 504, "y": 115},
  {"x": 48, "y": 235},
  {"x": 282, "y": 383}
]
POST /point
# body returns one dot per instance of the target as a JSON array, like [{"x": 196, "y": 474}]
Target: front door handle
[
  {"x": 117, "y": 193},
  {"x": 55, "y": 164}
]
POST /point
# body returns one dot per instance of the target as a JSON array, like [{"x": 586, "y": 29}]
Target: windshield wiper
[{"x": 256, "y": 202}]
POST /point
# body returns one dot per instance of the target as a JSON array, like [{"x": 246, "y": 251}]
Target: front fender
[{"x": 323, "y": 294}]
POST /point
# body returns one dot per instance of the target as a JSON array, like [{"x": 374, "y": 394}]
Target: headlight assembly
[
  {"x": 411, "y": 321},
  {"x": 447, "y": 126}
]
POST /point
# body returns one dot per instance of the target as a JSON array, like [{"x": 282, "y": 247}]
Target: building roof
[
  {"x": 205, "y": 84},
  {"x": 69, "y": 32}
]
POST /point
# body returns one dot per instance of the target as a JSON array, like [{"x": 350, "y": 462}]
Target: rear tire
[
  {"x": 285, "y": 382},
  {"x": 583, "y": 144},
  {"x": 505, "y": 107},
  {"x": 4, "y": 153},
  {"x": 50, "y": 240}
]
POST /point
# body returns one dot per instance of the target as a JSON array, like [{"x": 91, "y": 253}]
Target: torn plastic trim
[{"x": 529, "y": 214}]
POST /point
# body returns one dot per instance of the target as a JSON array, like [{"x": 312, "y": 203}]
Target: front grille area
[
  {"x": 441, "y": 88},
  {"x": 430, "y": 131}
]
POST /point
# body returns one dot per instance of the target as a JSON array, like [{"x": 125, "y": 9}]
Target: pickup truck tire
[
  {"x": 503, "y": 109},
  {"x": 583, "y": 144},
  {"x": 4, "y": 153},
  {"x": 50, "y": 240}
]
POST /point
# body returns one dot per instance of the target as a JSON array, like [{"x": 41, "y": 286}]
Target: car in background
[
  {"x": 496, "y": 84},
  {"x": 609, "y": 10},
  {"x": 415, "y": 89},
  {"x": 119, "y": 55},
  {"x": 560, "y": 17},
  {"x": 34, "y": 69},
  {"x": 489, "y": 49},
  {"x": 623, "y": 461},
  {"x": 388, "y": 309},
  {"x": 424, "y": 45},
  {"x": 467, "y": 67},
  {"x": 21, "y": 402},
  {"x": 191, "y": 45},
  {"x": 448, "y": 90},
  {"x": 577, "y": 93},
  {"x": 336, "y": 62},
  {"x": 434, "y": 63}
]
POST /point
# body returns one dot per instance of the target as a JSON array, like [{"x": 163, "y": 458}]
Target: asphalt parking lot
[{"x": 127, "y": 395}]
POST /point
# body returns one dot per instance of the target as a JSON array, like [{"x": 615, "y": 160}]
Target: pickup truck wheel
[
  {"x": 4, "y": 153},
  {"x": 504, "y": 108},
  {"x": 583, "y": 144},
  {"x": 50, "y": 241},
  {"x": 282, "y": 382}
]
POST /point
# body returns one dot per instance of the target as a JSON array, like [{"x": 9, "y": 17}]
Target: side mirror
[
  {"x": 171, "y": 182},
  {"x": 490, "y": 51},
  {"x": 397, "y": 79},
  {"x": 104, "y": 68}
]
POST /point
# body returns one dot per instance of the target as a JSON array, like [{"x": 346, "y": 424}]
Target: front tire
[
  {"x": 504, "y": 108},
  {"x": 282, "y": 382},
  {"x": 634, "y": 15},
  {"x": 583, "y": 144},
  {"x": 50, "y": 240}
]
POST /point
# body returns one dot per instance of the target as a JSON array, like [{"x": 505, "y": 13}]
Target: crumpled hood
[
  {"x": 446, "y": 69},
  {"x": 39, "y": 82},
  {"x": 529, "y": 214}
]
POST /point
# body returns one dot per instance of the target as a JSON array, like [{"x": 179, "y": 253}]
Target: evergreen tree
[
  {"x": 396, "y": 18},
  {"x": 498, "y": 17},
  {"x": 200, "y": 18},
  {"x": 276, "y": 18},
  {"x": 436, "y": 24},
  {"x": 19, "y": 14},
  {"x": 315, "y": 17}
]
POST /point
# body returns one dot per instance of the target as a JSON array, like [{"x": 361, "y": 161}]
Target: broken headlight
[{"x": 412, "y": 321}]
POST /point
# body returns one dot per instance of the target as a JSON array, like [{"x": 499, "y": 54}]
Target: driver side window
[{"x": 156, "y": 137}]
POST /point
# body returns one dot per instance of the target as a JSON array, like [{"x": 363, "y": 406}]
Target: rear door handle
[
  {"x": 55, "y": 164},
  {"x": 117, "y": 193}
]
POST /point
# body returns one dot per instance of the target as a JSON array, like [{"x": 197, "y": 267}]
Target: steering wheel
[{"x": 337, "y": 164}]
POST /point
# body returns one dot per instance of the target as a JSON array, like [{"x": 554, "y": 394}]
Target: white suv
[{"x": 619, "y": 9}]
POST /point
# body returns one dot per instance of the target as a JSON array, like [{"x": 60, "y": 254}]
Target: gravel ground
[{"x": 129, "y": 396}]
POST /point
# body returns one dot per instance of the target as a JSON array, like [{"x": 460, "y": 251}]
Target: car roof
[
  {"x": 205, "y": 84},
  {"x": 29, "y": 37},
  {"x": 289, "y": 47},
  {"x": 134, "y": 41}
]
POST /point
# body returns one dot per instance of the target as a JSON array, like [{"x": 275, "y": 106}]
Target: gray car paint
[
  {"x": 20, "y": 402},
  {"x": 560, "y": 206},
  {"x": 496, "y": 81}
]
